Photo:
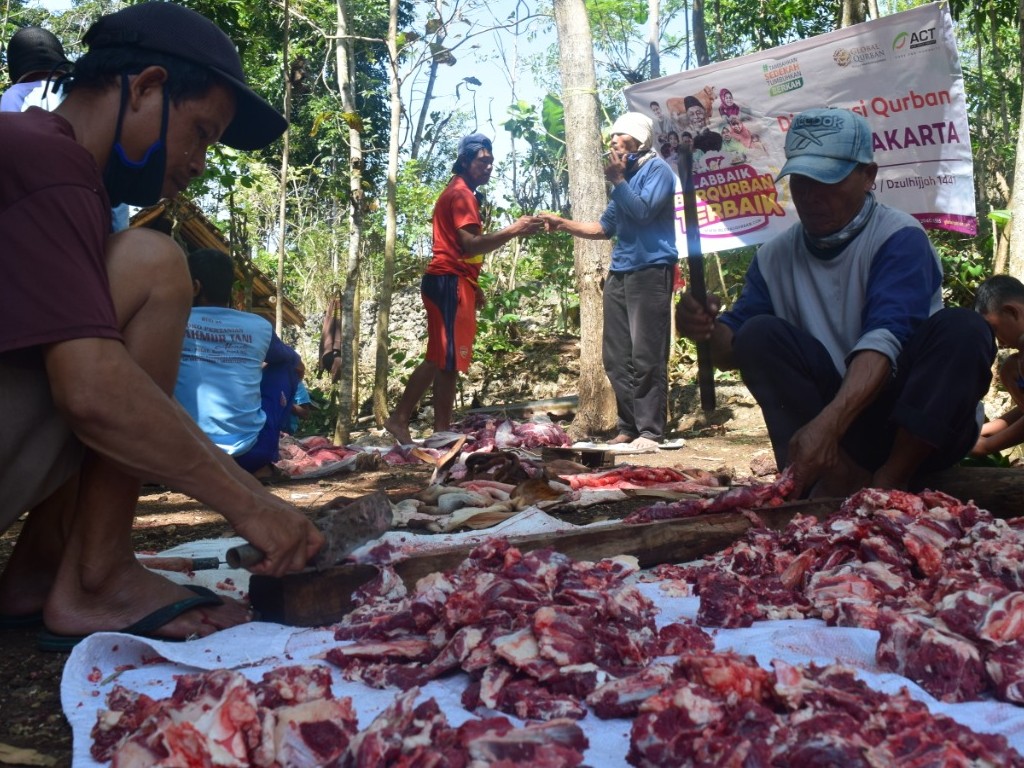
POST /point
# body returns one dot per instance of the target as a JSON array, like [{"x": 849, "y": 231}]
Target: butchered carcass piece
[
  {"x": 731, "y": 601},
  {"x": 554, "y": 744},
  {"x": 680, "y": 637},
  {"x": 946, "y": 665},
  {"x": 622, "y": 697},
  {"x": 529, "y": 700},
  {"x": 397, "y": 729},
  {"x": 868, "y": 584},
  {"x": 222, "y": 705},
  {"x": 669, "y": 724},
  {"x": 564, "y": 635},
  {"x": 313, "y": 733},
  {"x": 126, "y": 712},
  {"x": 963, "y": 612},
  {"x": 729, "y": 675},
  {"x": 1003, "y": 623},
  {"x": 1005, "y": 668},
  {"x": 295, "y": 684},
  {"x": 164, "y": 742}
]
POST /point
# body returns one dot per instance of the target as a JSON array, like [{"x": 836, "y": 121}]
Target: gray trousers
[{"x": 637, "y": 333}]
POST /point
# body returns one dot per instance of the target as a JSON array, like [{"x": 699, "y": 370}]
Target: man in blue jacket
[
  {"x": 638, "y": 289},
  {"x": 840, "y": 333}
]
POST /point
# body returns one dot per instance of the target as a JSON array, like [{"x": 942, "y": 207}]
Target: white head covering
[{"x": 637, "y": 125}]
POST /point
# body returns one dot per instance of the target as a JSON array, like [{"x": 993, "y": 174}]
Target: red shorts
[{"x": 451, "y": 320}]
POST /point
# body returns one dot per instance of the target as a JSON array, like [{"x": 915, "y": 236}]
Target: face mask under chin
[{"x": 136, "y": 182}]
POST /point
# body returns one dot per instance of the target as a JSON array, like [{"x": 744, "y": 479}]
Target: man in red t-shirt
[
  {"x": 451, "y": 293},
  {"x": 91, "y": 329}
]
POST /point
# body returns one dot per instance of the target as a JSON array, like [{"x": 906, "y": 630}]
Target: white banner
[{"x": 900, "y": 72}]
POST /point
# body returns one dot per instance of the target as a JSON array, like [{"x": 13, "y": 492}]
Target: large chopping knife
[
  {"x": 695, "y": 263},
  {"x": 346, "y": 526}
]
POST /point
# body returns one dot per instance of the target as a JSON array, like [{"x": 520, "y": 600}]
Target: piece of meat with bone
[
  {"x": 1005, "y": 668},
  {"x": 945, "y": 664},
  {"x": 622, "y": 697},
  {"x": 219, "y": 718},
  {"x": 494, "y": 742}
]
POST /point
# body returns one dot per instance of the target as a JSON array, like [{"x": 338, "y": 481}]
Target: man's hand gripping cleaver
[
  {"x": 695, "y": 263},
  {"x": 345, "y": 529}
]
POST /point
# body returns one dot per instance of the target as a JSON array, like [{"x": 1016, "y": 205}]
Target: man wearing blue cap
[
  {"x": 840, "y": 333},
  {"x": 91, "y": 329},
  {"x": 450, "y": 289}
]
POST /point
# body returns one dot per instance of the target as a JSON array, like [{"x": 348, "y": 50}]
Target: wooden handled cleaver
[{"x": 346, "y": 526}]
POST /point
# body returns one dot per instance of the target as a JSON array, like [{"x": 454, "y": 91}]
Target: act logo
[
  {"x": 908, "y": 41},
  {"x": 842, "y": 57}
]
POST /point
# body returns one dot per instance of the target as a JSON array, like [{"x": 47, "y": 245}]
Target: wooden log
[
  {"x": 316, "y": 598},
  {"x": 999, "y": 490}
]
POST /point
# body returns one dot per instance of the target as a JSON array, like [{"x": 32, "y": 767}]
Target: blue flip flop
[{"x": 144, "y": 627}]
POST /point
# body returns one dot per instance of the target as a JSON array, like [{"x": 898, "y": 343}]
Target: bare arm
[
  {"x": 117, "y": 410},
  {"x": 588, "y": 230},
  {"x": 814, "y": 449},
  {"x": 999, "y": 434},
  {"x": 473, "y": 242}
]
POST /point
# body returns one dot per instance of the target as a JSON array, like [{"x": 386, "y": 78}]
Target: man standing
[
  {"x": 840, "y": 333},
  {"x": 451, "y": 293},
  {"x": 91, "y": 328},
  {"x": 638, "y": 289}
]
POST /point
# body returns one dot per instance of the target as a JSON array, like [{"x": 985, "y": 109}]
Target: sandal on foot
[{"x": 144, "y": 627}]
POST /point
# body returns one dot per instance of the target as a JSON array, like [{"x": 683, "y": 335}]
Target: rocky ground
[{"x": 32, "y": 718}]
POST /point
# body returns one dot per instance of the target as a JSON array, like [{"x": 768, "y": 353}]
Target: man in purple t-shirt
[{"x": 91, "y": 328}]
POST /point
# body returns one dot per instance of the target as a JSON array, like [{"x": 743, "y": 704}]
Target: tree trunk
[
  {"x": 654, "y": 37},
  {"x": 283, "y": 201},
  {"x": 1016, "y": 226},
  {"x": 380, "y": 378},
  {"x": 587, "y": 196},
  {"x": 700, "y": 35},
  {"x": 1015, "y": 266},
  {"x": 349, "y": 329},
  {"x": 853, "y": 12}
]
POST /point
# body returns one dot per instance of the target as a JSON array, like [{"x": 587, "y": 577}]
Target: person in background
[
  {"x": 450, "y": 287},
  {"x": 1000, "y": 300},
  {"x": 236, "y": 378},
  {"x": 91, "y": 330},
  {"x": 36, "y": 63},
  {"x": 840, "y": 333},
  {"x": 35, "y": 59},
  {"x": 638, "y": 289},
  {"x": 300, "y": 409}
]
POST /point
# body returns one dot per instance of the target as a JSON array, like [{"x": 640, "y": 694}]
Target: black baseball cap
[
  {"x": 34, "y": 49},
  {"x": 178, "y": 31}
]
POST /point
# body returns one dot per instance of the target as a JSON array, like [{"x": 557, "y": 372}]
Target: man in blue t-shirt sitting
[{"x": 225, "y": 359}]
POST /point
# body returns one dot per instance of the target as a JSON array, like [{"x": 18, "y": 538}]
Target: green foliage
[{"x": 962, "y": 266}]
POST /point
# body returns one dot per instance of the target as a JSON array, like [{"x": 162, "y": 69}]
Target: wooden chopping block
[
  {"x": 315, "y": 598},
  {"x": 1000, "y": 490},
  {"x": 595, "y": 458}
]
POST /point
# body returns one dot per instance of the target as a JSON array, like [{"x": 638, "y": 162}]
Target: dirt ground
[{"x": 30, "y": 709}]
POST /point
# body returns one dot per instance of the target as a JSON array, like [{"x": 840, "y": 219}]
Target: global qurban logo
[{"x": 859, "y": 56}]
